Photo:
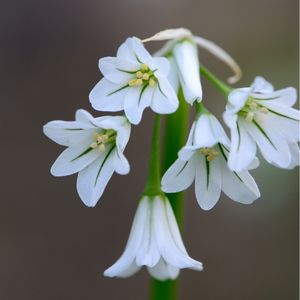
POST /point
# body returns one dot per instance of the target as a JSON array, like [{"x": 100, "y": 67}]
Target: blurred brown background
[{"x": 51, "y": 245}]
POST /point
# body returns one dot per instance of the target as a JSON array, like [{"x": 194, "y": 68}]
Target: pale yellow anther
[
  {"x": 139, "y": 74},
  {"x": 104, "y": 138},
  {"x": 94, "y": 145},
  {"x": 101, "y": 147},
  {"x": 209, "y": 153},
  {"x": 132, "y": 82},
  {"x": 210, "y": 157},
  {"x": 250, "y": 116},
  {"x": 253, "y": 105},
  {"x": 145, "y": 76},
  {"x": 264, "y": 110},
  {"x": 144, "y": 67},
  {"x": 138, "y": 82},
  {"x": 152, "y": 82}
]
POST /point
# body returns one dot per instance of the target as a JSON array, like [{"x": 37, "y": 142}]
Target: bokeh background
[{"x": 51, "y": 245}]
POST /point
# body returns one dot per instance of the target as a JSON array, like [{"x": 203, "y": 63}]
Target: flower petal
[
  {"x": 92, "y": 180},
  {"x": 239, "y": 186},
  {"x": 161, "y": 64},
  {"x": 163, "y": 271},
  {"x": 173, "y": 76},
  {"x": 273, "y": 147},
  {"x": 209, "y": 132},
  {"x": 261, "y": 85},
  {"x": 125, "y": 266},
  {"x": 168, "y": 248},
  {"x": 242, "y": 148},
  {"x": 136, "y": 100},
  {"x": 286, "y": 96},
  {"x": 74, "y": 159},
  {"x": 179, "y": 176},
  {"x": 164, "y": 100},
  {"x": 108, "y": 96},
  {"x": 116, "y": 71},
  {"x": 186, "y": 58},
  {"x": 237, "y": 99},
  {"x": 207, "y": 182}
]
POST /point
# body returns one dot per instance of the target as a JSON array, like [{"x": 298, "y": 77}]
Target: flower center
[
  {"x": 143, "y": 76},
  {"x": 209, "y": 153},
  {"x": 102, "y": 139},
  {"x": 252, "y": 109}
]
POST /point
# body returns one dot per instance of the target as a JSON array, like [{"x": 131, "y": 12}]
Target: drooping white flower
[
  {"x": 133, "y": 81},
  {"x": 204, "y": 160},
  {"x": 173, "y": 36},
  {"x": 95, "y": 151},
  {"x": 154, "y": 242},
  {"x": 260, "y": 117}
]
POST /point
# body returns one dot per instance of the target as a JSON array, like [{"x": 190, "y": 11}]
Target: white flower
[
  {"x": 95, "y": 150},
  {"x": 186, "y": 62},
  {"x": 155, "y": 242},
  {"x": 204, "y": 159},
  {"x": 133, "y": 81},
  {"x": 178, "y": 34},
  {"x": 260, "y": 116}
]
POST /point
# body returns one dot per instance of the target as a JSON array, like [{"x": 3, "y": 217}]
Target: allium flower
[
  {"x": 204, "y": 159},
  {"x": 186, "y": 65},
  {"x": 155, "y": 242},
  {"x": 133, "y": 81},
  {"x": 258, "y": 115},
  {"x": 95, "y": 150}
]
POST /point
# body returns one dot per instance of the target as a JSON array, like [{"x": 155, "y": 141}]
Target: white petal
[
  {"x": 108, "y": 96},
  {"x": 85, "y": 119},
  {"x": 222, "y": 55},
  {"x": 282, "y": 110},
  {"x": 125, "y": 266},
  {"x": 121, "y": 164},
  {"x": 168, "y": 34},
  {"x": 164, "y": 100},
  {"x": 163, "y": 271},
  {"x": 295, "y": 154},
  {"x": 173, "y": 75},
  {"x": 179, "y": 176},
  {"x": 67, "y": 133},
  {"x": 168, "y": 248},
  {"x": 148, "y": 253},
  {"x": 186, "y": 58},
  {"x": 237, "y": 99},
  {"x": 239, "y": 186},
  {"x": 92, "y": 180},
  {"x": 207, "y": 182},
  {"x": 136, "y": 100},
  {"x": 242, "y": 148},
  {"x": 273, "y": 147},
  {"x": 142, "y": 55},
  {"x": 286, "y": 97},
  {"x": 161, "y": 65},
  {"x": 260, "y": 85},
  {"x": 209, "y": 132},
  {"x": 117, "y": 71},
  {"x": 74, "y": 159}
]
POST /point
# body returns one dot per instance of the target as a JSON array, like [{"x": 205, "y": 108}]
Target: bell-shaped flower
[
  {"x": 260, "y": 117},
  {"x": 95, "y": 151},
  {"x": 204, "y": 160},
  {"x": 154, "y": 242},
  {"x": 186, "y": 61},
  {"x": 133, "y": 81}
]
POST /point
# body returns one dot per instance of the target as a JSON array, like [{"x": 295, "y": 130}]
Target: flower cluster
[{"x": 257, "y": 117}]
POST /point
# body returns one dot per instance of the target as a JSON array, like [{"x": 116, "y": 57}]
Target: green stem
[
  {"x": 219, "y": 84},
  {"x": 153, "y": 183},
  {"x": 176, "y": 127}
]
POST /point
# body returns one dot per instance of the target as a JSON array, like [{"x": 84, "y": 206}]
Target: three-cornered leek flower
[
  {"x": 185, "y": 63},
  {"x": 204, "y": 159},
  {"x": 154, "y": 242},
  {"x": 95, "y": 150},
  {"x": 133, "y": 81},
  {"x": 258, "y": 115}
]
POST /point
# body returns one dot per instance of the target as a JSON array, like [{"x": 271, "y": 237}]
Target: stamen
[
  {"x": 145, "y": 76},
  {"x": 139, "y": 74},
  {"x": 102, "y": 147},
  {"x": 253, "y": 105},
  {"x": 209, "y": 153},
  {"x": 144, "y": 67},
  {"x": 152, "y": 82},
  {"x": 132, "y": 82},
  {"x": 264, "y": 110},
  {"x": 250, "y": 116},
  {"x": 94, "y": 145},
  {"x": 138, "y": 82}
]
